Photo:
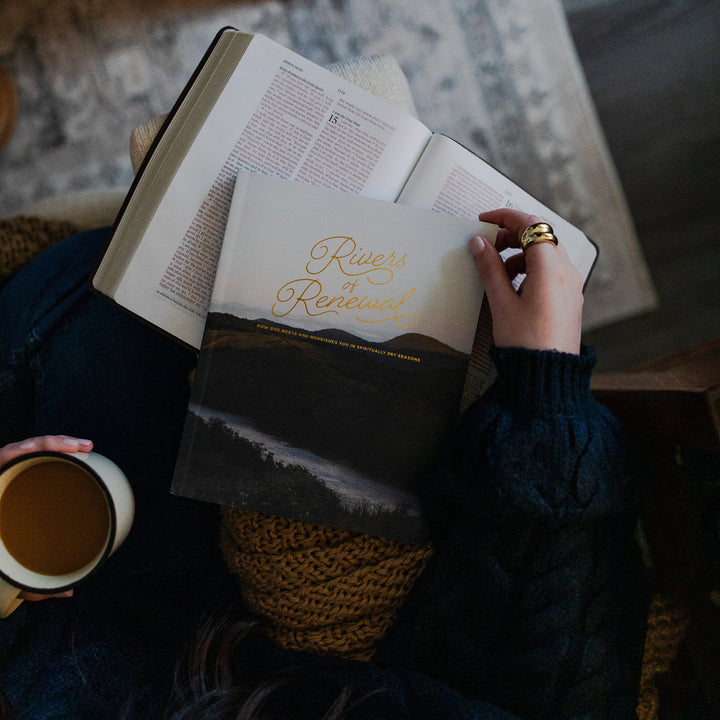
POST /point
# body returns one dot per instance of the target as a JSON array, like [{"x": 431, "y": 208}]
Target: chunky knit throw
[
  {"x": 23, "y": 237},
  {"x": 319, "y": 589}
]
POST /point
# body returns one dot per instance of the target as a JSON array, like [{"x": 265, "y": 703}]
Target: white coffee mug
[{"x": 61, "y": 516}]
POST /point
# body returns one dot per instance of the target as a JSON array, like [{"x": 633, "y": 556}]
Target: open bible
[{"x": 255, "y": 106}]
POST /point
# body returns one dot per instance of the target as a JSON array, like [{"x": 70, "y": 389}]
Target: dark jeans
[{"x": 71, "y": 362}]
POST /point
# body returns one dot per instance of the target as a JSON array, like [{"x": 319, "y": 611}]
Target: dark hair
[{"x": 215, "y": 680}]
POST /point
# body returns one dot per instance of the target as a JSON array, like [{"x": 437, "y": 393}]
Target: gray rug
[{"x": 500, "y": 76}]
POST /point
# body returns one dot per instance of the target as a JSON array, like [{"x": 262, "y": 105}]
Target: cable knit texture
[
  {"x": 319, "y": 589},
  {"x": 536, "y": 580}
]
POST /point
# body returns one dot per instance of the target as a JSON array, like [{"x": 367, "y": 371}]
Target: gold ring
[{"x": 537, "y": 233}]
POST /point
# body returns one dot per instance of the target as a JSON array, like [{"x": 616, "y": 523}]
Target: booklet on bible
[{"x": 334, "y": 356}]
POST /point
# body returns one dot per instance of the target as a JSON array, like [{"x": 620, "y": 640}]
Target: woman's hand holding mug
[{"x": 63, "y": 511}]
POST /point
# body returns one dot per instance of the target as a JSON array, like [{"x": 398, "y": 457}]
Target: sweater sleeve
[{"x": 534, "y": 597}]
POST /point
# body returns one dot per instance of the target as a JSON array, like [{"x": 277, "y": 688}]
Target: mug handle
[{"x": 9, "y": 600}]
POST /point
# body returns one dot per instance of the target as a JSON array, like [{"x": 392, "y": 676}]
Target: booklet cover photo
[{"x": 333, "y": 359}]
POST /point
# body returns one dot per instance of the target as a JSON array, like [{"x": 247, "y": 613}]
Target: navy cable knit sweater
[
  {"x": 531, "y": 607},
  {"x": 535, "y": 597}
]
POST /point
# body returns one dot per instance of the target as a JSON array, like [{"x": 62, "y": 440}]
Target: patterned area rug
[{"x": 500, "y": 76}]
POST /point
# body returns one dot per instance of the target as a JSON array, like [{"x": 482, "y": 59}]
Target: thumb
[{"x": 491, "y": 269}]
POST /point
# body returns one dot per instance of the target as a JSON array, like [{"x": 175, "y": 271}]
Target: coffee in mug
[{"x": 61, "y": 516}]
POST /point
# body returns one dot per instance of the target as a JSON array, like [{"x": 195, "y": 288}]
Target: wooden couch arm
[{"x": 675, "y": 399}]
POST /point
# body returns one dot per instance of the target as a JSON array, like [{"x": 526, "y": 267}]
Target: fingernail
[
  {"x": 27, "y": 444},
  {"x": 477, "y": 244},
  {"x": 74, "y": 442}
]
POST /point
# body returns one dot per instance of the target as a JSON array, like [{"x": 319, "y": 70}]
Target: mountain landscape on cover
[{"x": 362, "y": 405}]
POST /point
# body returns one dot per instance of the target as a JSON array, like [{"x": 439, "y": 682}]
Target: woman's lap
[{"x": 71, "y": 362}]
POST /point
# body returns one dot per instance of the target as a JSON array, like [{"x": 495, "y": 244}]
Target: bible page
[{"x": 451, "y": 179}]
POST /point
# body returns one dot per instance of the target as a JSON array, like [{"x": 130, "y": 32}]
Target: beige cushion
[{"x": 85, "y": 209}]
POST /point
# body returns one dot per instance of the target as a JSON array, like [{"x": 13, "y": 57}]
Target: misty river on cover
[{"x": 351, "y": 486}]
